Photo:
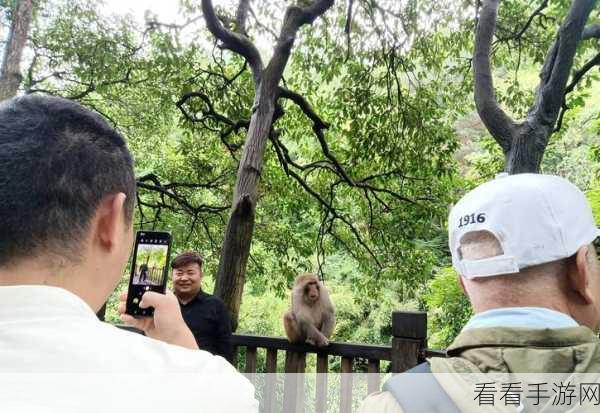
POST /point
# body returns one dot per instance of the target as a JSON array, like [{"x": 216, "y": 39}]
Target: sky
[{"x": 166, "y": 10}]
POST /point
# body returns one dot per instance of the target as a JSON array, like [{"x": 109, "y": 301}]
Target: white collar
[
  {"x": 27, "y": 302},
  {"x": 524, "y": 317}
]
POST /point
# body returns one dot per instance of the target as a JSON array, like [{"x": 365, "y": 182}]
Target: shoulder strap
[{"x": 420, "y": 393}]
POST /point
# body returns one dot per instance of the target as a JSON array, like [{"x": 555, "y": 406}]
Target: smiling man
[{"x": 205, "y": 314}]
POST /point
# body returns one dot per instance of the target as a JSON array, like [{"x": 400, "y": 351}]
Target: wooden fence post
[{"x": 409, "y": 330}]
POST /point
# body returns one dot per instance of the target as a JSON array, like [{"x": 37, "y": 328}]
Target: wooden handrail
[
  {"x": 350, "y": 350},
  {"x": 427, "y": 353}
]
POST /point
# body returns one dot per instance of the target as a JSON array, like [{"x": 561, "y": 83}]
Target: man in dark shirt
[{"x": 205, "y": 314}]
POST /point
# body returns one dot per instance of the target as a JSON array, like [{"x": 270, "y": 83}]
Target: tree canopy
[{"x": 373, "y": 131}]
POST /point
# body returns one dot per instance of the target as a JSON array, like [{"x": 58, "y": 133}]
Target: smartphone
[{"x": 149, "y": 269}]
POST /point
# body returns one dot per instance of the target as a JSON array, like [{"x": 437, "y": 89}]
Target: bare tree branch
[
  {"x": 591, "y": 31},
  {"x": 295, "y": 17},
  {"x": 326, "y": 205},
  {"x": 520, "y": 33},
  {"x": 318, "y": 127},
  {"x": 577, "y": 76},
  {"x": 235, "y": 42},
  {"x": 169, "y": 191},
  {"x": 332, "y": 165},
  {"x": 209, "y": 112},
  {"x": 154, "y": 24},
  {"x": 500, "y": 125},
  {"x": 348, "y": 28},
  {"x": 263, "y": 26},
  {"x": 242, "y": 16}
]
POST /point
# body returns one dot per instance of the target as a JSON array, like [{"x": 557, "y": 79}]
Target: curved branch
[
  {"x": 169, "y": 191},
  {"x": 520, "y": 33},
  {"x": 326, "y": 205},
  {"x": 241, "y": 17},
  {"x": 295, "y": 17},
  {"x": 577, "y": 76},
  {"x": 591, "y": 31},
  {"x": 498, "y": 123},
  {"x": 235, "y": 42},
  {"x": 333, "y": 164},
  {"x": 318, "y": 126},
  {"x": 210, "y": 112},
  {"x": 263, "y": 26}
]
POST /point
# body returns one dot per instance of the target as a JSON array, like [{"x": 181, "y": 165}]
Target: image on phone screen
[
  {"x": 149, "y": 269},
  {"x": 151, "y": 262}
]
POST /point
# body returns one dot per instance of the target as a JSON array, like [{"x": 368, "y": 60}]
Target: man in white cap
[{"x": 522, "y": 245}]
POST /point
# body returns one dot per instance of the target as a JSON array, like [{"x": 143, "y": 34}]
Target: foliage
[
  {"x": 448, "y": 308},
  {"x": 593, "y": 197},
  {"x": 394, "y": 101}
]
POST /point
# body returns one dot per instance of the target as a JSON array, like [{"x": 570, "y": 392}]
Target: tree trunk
[
  {"x": 238, "y": 235},
  {"x": 527, "y": 149},
  {"x": 524, "y": 143},
  {"x": 10, "y": 75}
]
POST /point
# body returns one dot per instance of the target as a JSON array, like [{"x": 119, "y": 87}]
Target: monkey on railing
[{"x": 312, "y": 317}]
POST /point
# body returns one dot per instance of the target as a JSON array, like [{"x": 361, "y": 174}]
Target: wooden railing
[
  {"x": 408, "y": 348},
  {"x": 295, "y": 362}
]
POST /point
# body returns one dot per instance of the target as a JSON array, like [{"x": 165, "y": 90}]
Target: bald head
[
  {"x": 524, "y": 240},
  {"x": 540, "y": 285}
]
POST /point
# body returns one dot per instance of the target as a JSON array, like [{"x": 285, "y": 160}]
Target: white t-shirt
[{"x": 56, "y": 356}]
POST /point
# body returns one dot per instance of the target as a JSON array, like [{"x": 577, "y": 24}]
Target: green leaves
[
  {"x": 400, "y": 114},
  {"x": 448, "y": 308}
]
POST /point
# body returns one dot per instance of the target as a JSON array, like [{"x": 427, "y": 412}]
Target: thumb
[
  {"x": 152, "y": 299},
  {"x": 140, "y": 324}
]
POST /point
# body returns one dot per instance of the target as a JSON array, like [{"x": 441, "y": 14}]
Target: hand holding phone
[
  {"x": 149, "y": 269},
  {"x": 167, "y": 323}
]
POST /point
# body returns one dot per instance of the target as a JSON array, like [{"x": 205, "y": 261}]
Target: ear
[
  {"x": 579, "y": 274},
  {"x": 110, "y": 221}
]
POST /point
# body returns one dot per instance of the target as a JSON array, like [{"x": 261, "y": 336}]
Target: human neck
[
  {"x": 54, "y": 272},
  {"x": 185, "y": 298},
  {"x": 36, "y": 271},
  {"x": 551, "y": 305}
]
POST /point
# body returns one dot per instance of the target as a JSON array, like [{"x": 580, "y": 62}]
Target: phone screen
[{"x": 149, "y": 269}]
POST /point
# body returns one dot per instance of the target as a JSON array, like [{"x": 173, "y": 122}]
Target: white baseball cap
[{"x": 535, "y": 218}]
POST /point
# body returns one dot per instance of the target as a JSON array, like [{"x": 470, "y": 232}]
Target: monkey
[{"x": 312, "y": 317}]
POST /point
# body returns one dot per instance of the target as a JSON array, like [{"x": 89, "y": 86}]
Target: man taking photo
[
  {"x": 205, "y": 315},
  {"x": 67, "y": 196}
]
